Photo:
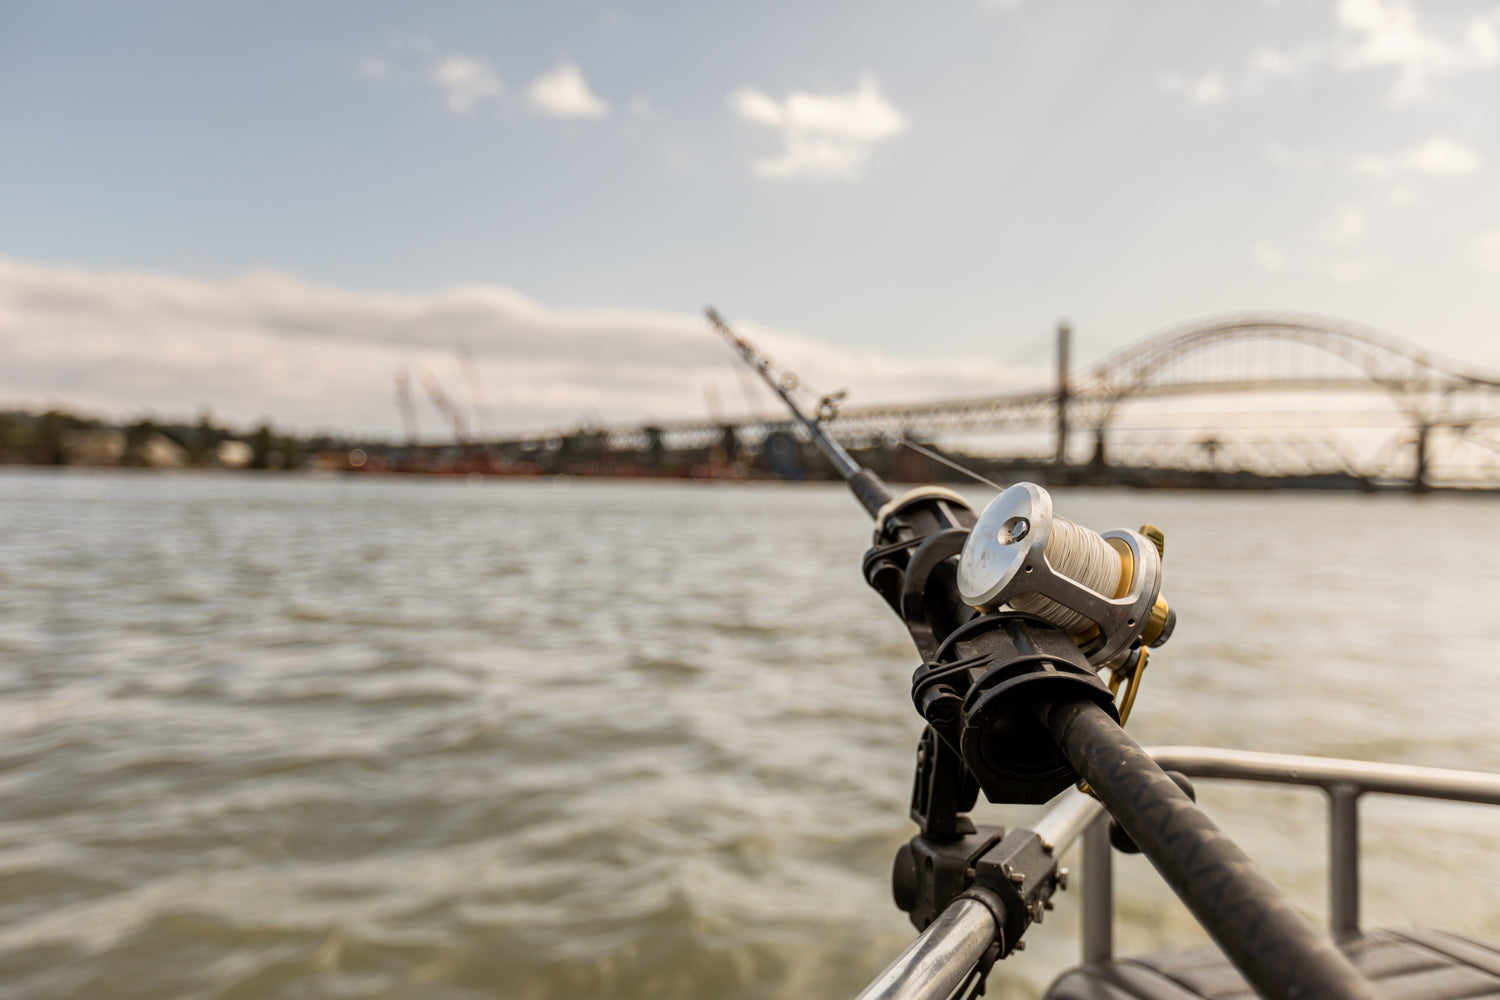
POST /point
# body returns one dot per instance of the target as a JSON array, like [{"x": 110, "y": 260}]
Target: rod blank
[{"x": 867, "y": 486}]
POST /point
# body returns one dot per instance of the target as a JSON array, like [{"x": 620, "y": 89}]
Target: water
[{"x": 293, "y": 737}]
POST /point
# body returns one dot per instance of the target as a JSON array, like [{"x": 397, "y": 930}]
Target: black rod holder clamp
[
  {"x": 1015, "y": 868},
  {"x": 979, "y": 693}
]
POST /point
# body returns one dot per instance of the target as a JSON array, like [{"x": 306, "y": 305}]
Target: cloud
[
  {"x": 1328, "y": 251},
  {"x": 1269, "y": 256},
  {"x": 1349, "y": 271},
  {"x": 562, "y": 92},
  {"x": 1288, "y": 64},
  {"x": 1276, "y": 259},
  {"x": 306, "y": 356},
  {"x": 1389, "y": 33},
  {"x": 374, "y": 68},
  {"x": 1291, "y": 159},
  {"x": 1344, "y": 226},
  {"x": 1439, "y": 156},
  {"x": 1487, "y": 250},
  {"x": 1207, "y": 89},
  {"x": 1401, "y": 196},
  {"x": 825, "y": 136},
  {"x": 1296, "y": 62},
  {"x": 465, "y": 82}
]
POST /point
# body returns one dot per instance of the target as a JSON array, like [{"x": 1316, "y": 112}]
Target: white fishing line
[
  {"x": 1081, "y": 555},
  {"x": 1078, "y": 553},
  {"x": 903, "y": 440}
]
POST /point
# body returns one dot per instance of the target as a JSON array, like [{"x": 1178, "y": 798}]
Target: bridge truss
[{"x": 1171, "y": 401}]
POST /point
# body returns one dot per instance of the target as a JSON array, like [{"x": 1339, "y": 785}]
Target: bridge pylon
[
  {"x": 1099, "y": 461},
  {"x": 1064, "y": 338},
  {"x": 1419, "y": 483}
]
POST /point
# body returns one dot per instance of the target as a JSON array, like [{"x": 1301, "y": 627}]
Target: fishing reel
[
  {"x": 1103, "y": 590},
  {"x": 1056, "y": 604}
]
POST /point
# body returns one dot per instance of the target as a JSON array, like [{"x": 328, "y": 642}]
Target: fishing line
[
  {"x": 1076, "y": 552},
  {"x": 902, "y": 439},
  {"x": 1082, "y": 555}
]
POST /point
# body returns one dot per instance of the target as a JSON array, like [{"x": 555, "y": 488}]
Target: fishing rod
[
  {"x": 870, "y": 490},
  {"x": 1016, "y": 611}
]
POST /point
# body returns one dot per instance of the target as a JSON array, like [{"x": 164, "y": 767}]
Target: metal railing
[
  {"x": 1344, "y": 781},
  {"x": 941, "y": 960}
]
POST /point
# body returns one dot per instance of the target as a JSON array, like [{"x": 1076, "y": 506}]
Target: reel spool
[{"x": 1103, "y": 590}]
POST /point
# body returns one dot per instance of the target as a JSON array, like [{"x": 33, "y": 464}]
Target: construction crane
[
  {"x": 711, "y": 397},
  {"x": 478, "y": 405},
  {"x": 727, "y": 448},
  {"x": 403, "y": 401},
  {"x": 445, "y": 406}
]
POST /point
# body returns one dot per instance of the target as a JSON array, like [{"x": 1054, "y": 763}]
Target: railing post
[
  {"x": 1343, "y": 860},
  {"x": 1098, "y": 893}
]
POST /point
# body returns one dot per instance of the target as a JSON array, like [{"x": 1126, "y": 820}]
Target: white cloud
[
  {"x": 814, "y": 157},
  {"x": 1332, "y": 260},
  {"x": 826, "y": 136},
  {"x": 374, "y": 68},
  {"x": 1349, "y": 271},
  {"x": 1291, "y": 159},
  {"x": 640, "y": 105},
  {"x": 1296, "y": 62},
  {"x": 1439, "y": 156},
  {"x": 1442, "y": 155},
  {"x": 562, "y": 92},
  {"x": 306, "y": 356},
  {"x": 1344, "y": 226},
  {"x": 1272, "y": 64},
  {"x": 465, "y": 82},
  {"x": 1389, "y": 33},
  {"x": 1401, "y": 196},
  {"x": 1269, "y": 256},
  {"x": 1487, "y": 250},
  {"x": 1207, "y": 89}
]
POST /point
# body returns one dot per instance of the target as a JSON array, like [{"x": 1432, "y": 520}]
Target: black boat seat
[{"x": 1403, "y": 965}]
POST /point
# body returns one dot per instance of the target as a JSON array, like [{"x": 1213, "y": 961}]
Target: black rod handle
[{"x": 1272, "y": 944}]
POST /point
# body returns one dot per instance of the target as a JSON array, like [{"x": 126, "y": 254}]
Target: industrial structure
[
  {"x": 1326, "y": 386},
  {"x": 1250, "y": 401}
]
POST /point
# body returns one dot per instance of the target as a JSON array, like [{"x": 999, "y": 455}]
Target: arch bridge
[{"x": 1439, "y": 414}]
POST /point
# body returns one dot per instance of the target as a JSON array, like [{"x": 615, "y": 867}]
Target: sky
[{"x": 266, "y": 209}]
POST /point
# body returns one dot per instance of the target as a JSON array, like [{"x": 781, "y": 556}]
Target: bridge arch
[
  {"x": 1410, "y": 376},
  {"x": 1402, "y": 370}
]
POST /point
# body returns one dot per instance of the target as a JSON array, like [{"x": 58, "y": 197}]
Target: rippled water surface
[{"x": 293, "y": 737}]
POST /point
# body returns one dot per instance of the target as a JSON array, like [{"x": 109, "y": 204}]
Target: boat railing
[
  {"x": 941, "y": 961},
  {"x": 1344, "y": 781}
]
